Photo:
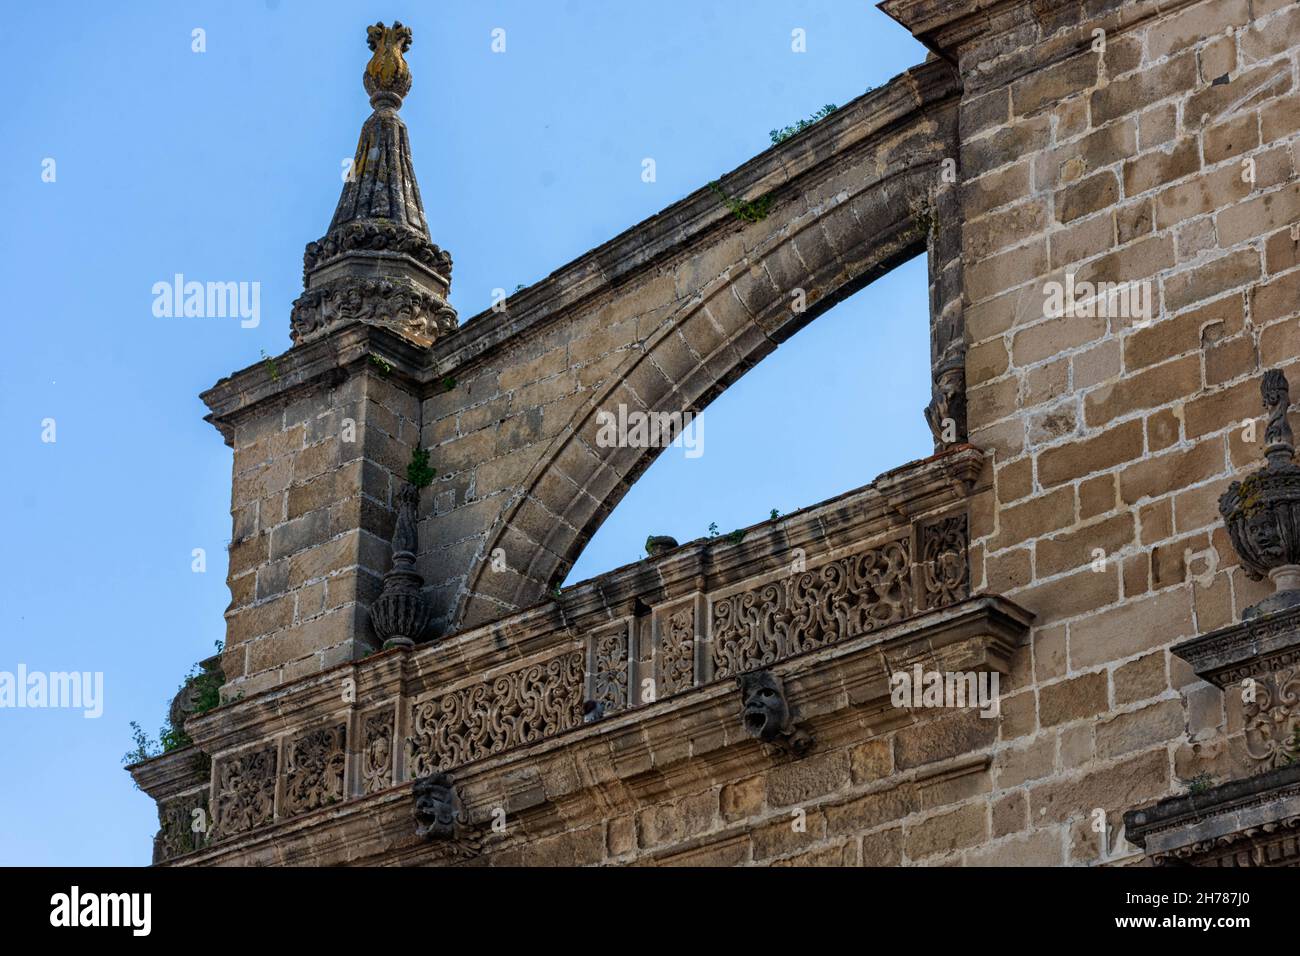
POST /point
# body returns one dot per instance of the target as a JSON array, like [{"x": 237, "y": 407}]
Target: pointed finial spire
[
  {"x": 387, "y": 77},
  {"x": 377, "y": 264}
]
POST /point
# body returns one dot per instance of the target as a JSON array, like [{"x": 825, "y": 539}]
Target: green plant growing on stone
[
  {"x": 754, "y": 211},
  {"x": 1200, "y": 783},
  {"x": 736, "y": 536},
  {"x": 418, "y": 472},
  {"x": 713, "y": 529},
  {"x": 205, "y": 687},
  {"x": 271, "y": 365},
  {"x": 774, "y": 515},
  {"x": 781, "y": 135},
  {"x": 447, "y": 383},
  {"x": 923, "y": 216},
  {"x": 145, "y": 748},
  {"x": 385, "y": 367}
]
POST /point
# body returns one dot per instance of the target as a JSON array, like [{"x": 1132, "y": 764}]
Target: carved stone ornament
[
  {"x": 182, "y": 826},
  {"x": 313, "y": 773},
  {"x": 676, "y": 658},
  {"x": 609, "y": 654},
  {"x": 837, "y": 601},
  {"x": 440, "y": 819},
  {"x": 511, "y": 710},
  {"x": 1272, "y": 719},
  {"x": 400, "y": 615},
  {"x": 244, "y": 792},
  {"x": 437, "y": 807},
  {"x": 946, "y": 413},
  {"x": 377, "y": 752},
  {"x": 766, "y": 715},
  {"x": 393, "y": 303},
  {"x": 387, "y": 75},
  {"x": 945, "y": 572},
  {"x": 1262, "y": 512},
  {"x": 376, "y": 263},
  {"x": 658, "y": 544}
]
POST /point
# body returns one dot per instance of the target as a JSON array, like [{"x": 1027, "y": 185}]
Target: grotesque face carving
[
  {"x": 764, "y": 709},
  {"x": 1262, "y": 535},
  {"x": 435, "y": 806}
]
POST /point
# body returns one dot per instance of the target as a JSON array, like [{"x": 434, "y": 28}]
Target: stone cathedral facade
[{"x": 1107, "y": 534}]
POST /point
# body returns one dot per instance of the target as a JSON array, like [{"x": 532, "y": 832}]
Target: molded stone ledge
[
  {"x": 670, "y": 746},
  {"x": 342, "y": 351},
  {"x": 171, "y": 773},
  {"x": 1249, "y": 649},
  {"x": 945, "y": 26},
  {"x": 1250, "y": 822}
]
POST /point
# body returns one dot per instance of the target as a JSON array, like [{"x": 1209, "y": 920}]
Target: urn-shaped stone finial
[
  {"x": 401, "y": 615},
  {"x": 1262, "y": 512},
  {"x": 658, "y": 544},
  {"x": 388, "y": 78}
]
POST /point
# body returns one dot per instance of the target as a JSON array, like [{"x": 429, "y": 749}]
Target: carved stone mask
[
  {"x": 435, "y": 806},
  {"x": 1262, "y": 533},
  {"x": 764, "y": 710}
]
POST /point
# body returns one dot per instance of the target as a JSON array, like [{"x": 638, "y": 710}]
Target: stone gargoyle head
[
  {"x": 766, "y": 715},
  {"x": 436, "y": 807}
]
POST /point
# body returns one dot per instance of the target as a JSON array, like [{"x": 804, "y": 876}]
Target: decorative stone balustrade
[{"x": 879, "y": 575}]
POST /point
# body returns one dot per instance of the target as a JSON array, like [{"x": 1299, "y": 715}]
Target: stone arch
[{"x": 869, "y": 213}]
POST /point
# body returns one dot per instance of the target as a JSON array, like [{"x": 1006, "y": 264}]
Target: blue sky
[{"x": 222, "y": 165}]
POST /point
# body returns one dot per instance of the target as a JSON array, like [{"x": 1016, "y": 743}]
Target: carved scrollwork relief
[
  {"x": 244, "y": 793},
  {"x": 314, "y": 763},
  {"x": 1273, "y": 717},
  {"x": 180, "y": 829},
  {"x": 517, "y": 708},
  {"x": 379, "y": 301},
  {"x": 676, "y": 652},
  {"x": 377, "y": 752},
  {"x": 841, "y": 599},
  {"x": 945, "y": 571},
  {"x": 608, "y": 669}
]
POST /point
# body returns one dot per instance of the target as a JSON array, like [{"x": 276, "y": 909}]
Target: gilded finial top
[{"x": 387, "y": 77}]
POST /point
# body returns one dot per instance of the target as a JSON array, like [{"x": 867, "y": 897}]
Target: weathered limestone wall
[
  {"x": 1112, "y": 442},
  {"x": 317, "y": 465}
]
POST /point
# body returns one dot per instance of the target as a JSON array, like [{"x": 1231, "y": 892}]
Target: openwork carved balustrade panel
[
  {"x": 655, "y": 652},
  {"x": 479, "y": 720},
  {"x": 840, "y": 599},
  {"x": 801, "y": 612}
]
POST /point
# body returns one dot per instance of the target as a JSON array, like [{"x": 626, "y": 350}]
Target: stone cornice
[
  {"x": 945, "y": 26},
  {"x": 1248, "y": 649},
  {"x": 654, "y": 749},
  {"x": 1213, "y": 821},
  {"x": 172, "y": 773},
  {"x": 330, "y": 360}
]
